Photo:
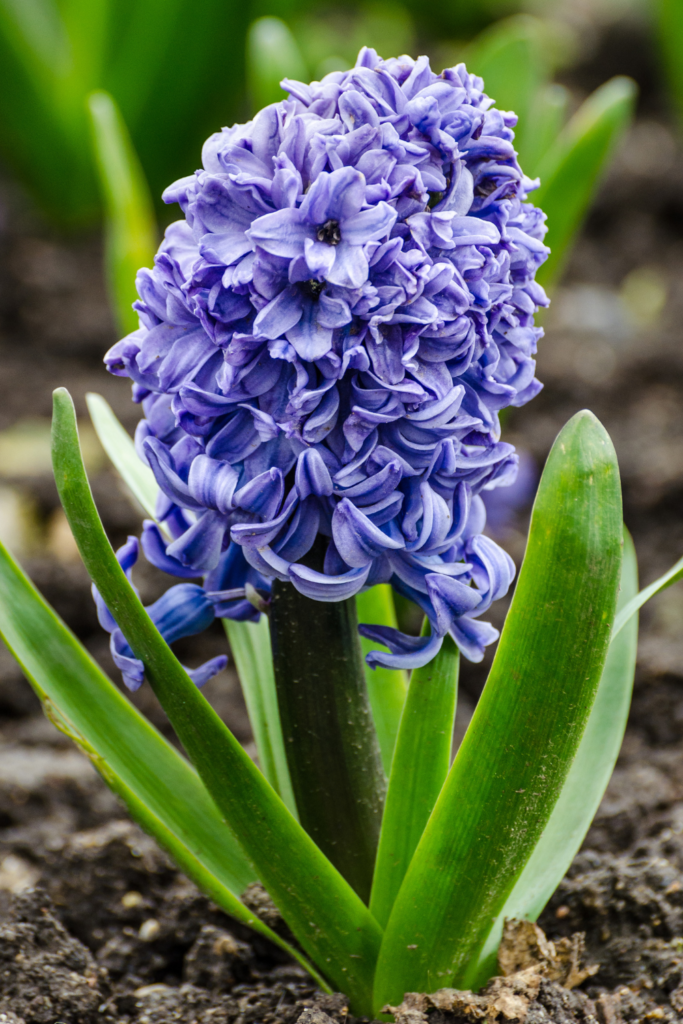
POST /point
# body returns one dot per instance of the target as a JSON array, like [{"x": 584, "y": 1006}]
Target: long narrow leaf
[
  {"x": 585, "y": 785},
  {"x": 119, "y": 446},
  {"x": 626, "y": 613},
  {"x": 250, "y": 646},
  {"x": 573, "y": 167},
  {"x": 329, "y": 920},
  {"x": 418, "y": 772},
  {"x": 512, "y": 764},
  {"x": 131, "y": 232},
  {"x": 386, "y": 686},
  {"x": 162, "y": 789}
]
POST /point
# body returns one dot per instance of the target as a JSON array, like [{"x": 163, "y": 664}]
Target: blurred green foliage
[
  {"x": 130, "y": 227},
  {"x": 670, "y": 34},
  {"x": 175, "y": 68}
]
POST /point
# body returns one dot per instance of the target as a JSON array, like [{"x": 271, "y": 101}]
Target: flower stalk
[{"x": 330, "y": 739}]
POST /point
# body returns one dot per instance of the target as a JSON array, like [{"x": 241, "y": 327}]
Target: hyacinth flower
[
  {"x": 327, "y": 339},
  {"x": 321, "y": 368}
]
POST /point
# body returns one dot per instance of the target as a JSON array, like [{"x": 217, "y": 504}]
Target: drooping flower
[
  {"x": 325, "y": 343},
  {"x": 182, "y": 611}
]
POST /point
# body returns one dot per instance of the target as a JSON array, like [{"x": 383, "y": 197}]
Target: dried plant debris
[
  {"x": 524, "y": 945},
  {"x": 532, "y": 968}
]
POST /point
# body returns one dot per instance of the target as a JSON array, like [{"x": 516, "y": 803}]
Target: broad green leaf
[
  {"x": 330, "y": 922},
  {"x": 626, "y": 613},
  {"x": 272, "y": 54},
  {"x": 250, "y": 646},
  {"x": 131, "y": 233},
  {"x": 585, "y": 785},
  {"x": 572, "y": 168},
  {"x": 386, "y": 686},
  {"x": 418, "y": 772},
  {"x": 517, "y": 752},
  {"x": 119, "y": 446},
  {"x": 510, "y": 57}
]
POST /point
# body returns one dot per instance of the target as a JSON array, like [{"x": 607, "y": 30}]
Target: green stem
[{"x": 330, "y": 740}]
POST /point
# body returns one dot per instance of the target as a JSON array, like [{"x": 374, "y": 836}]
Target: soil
[{"x": 95, "y": 923}]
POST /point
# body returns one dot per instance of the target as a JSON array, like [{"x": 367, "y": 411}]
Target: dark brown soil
[{"x": 113, "y": 932}]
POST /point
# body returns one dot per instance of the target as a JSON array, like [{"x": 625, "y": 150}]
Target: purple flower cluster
[{"x": 326, "y": 340}]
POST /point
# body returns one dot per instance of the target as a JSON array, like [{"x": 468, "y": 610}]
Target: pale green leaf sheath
[
  {"x": 517, "y": 752},
  {"x": 332, "y": 924},
  {"x": 250, "y": 647},
  {"x": 418, "y": 772},
  {"x": 386, "y": 686}
]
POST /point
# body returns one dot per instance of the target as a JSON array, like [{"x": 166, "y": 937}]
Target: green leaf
[
  {"x": 512, "y": 764},
  {"x": 626, "y": 613},
  {"x": 272, "y": 54},
  {"x": 573, "y": 167},
  {"x": 131, "y": 232},
  {"x": 329, "y": 920},
  {"x": 418, "y": 772},
  {"x": 510, "y": 57},
  {"x": 386, "y": 686},
  {"x": 585, "y": 785},
  {"x": 162, "y": 789},
  {"x": 670, "y": 33},
  {"x": 250, "y": 647},
  {"x": 120, "y": 447},
  {"x": 548, "y": 114}
]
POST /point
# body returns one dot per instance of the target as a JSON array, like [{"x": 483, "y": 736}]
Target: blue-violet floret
[{"x": 326, "y": 340}]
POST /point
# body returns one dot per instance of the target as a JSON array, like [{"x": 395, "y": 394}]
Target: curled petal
[
  {"x": 312, "y": 475},
  {"x": 450, "y": 599},
  {"x": 182, "y": 611},
  {"x": 406, "y": 651},
  {"x": 199, "y": 547},
  {"x": 154, "y": 547},
  {"x": 357, "y": 539},
  {"x": 472, "y": 637},
  {"x": 321, "y": 587},
  {"x": 263, "y": 495},
  {"x": 212, "y": 483},
  {"x": 208, "y": 670}
]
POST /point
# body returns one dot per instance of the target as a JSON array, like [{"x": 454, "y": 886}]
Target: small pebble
[
  {"x": 131, "y": 899},
  {"x": 149, "y": 930}
]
